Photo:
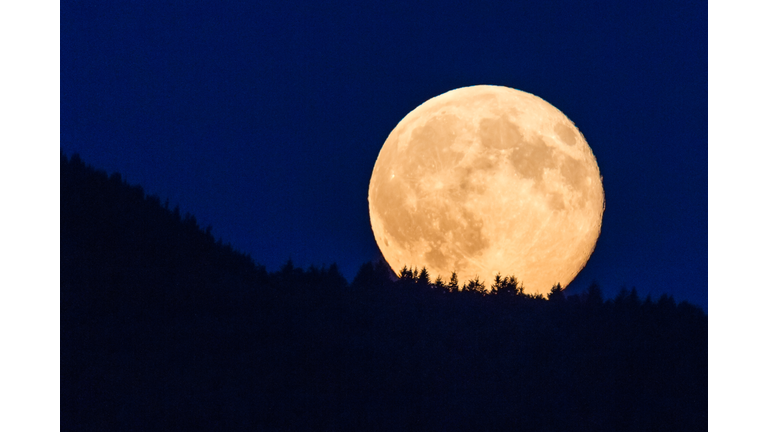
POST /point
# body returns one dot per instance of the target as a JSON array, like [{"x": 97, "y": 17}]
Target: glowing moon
[{"x": 484, "y": 180}]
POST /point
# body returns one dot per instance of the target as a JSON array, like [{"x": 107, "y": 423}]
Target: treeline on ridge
[{"x": 163, "y": 327}]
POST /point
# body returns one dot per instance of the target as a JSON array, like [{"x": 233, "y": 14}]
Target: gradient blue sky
[{"x": 264, "y": 119}]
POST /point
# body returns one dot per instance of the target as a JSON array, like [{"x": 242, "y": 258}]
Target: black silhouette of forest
[{"x": 163, "y": 327}]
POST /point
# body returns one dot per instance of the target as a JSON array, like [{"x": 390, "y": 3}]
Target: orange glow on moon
[{"x": 484, "y": 180}]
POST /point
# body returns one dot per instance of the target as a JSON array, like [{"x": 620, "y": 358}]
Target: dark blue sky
[{"x": 264, "y": 119}]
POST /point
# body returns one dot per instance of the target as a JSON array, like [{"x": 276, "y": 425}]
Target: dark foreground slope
[{"x": 163, "y": 328}]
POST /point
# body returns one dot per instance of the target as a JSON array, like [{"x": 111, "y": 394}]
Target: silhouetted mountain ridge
[{"x": 165, "y": 328}]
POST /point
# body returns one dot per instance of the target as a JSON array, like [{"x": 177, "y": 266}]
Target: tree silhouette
[
  {"x": 556, "y": 294},
  {"x": 506, "y": 287},
  {"x": 406, "y": 275},
  {"x": 423, "y": 279},
  {"x": 440, "y": 284},
  {"x": 163, "y": 328},
  {"x": 594, "y": 295},
  {"x": 474, "y": 287},
  {"x": 453, "y": 283}
]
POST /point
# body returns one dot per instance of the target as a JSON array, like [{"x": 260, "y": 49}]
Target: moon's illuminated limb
[{"x": 484, "y": 180}]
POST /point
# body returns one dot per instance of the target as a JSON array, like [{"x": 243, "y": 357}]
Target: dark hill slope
[{"x": 163, "y": 328}]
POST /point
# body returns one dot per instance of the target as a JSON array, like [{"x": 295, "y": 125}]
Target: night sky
[{"x": 264, "y": 119}]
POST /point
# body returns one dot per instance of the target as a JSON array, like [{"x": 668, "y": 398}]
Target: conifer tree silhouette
[
  {"x": 474, "y": 286},
  {"x": 453, "y": 283},
  {"x": 162, "y": 328},
  {"x": 423, "y": 278},
  {"x": 440, "y": 284},
  {"x": 556, "y": 294}
]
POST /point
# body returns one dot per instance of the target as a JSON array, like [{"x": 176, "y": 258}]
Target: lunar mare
[{"x": 484, "y": 180}]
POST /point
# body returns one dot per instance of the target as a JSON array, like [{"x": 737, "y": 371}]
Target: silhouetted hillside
[{"x": 164, "y": 328}]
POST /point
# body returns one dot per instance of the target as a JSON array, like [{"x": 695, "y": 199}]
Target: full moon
[{"x": 487, "y": 180}]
